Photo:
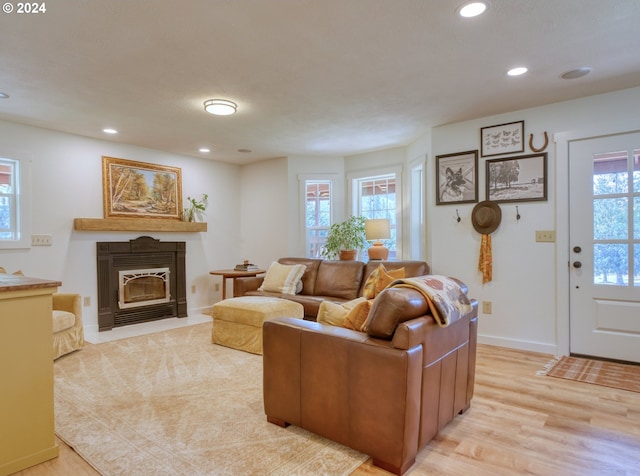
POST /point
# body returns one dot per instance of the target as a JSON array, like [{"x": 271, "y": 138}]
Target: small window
[
  {"x": 318, "y": 198},
  {"x": 14, "y": 209},
  {"x": 9, "y": 200},
  {"x": 377, "y": 199}
]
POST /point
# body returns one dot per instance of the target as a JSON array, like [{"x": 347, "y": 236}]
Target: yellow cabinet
[{"x": 26, "y": 373}]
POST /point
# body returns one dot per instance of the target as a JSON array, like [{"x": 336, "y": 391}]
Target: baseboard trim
[{"x": 519, "y": 344}]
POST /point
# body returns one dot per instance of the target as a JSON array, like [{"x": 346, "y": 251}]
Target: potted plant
[
  {"x": 345, "y": 239},
  {"x": 196, "y": 208}
]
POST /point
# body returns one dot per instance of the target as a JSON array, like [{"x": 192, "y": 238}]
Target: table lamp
[{"x": 376, "y": 230}]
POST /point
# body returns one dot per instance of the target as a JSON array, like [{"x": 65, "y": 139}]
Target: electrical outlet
[
  {"x": 487, "y": 307},
  {"x": 86, "y": 301},
  {"x": 193, "y": 289},
  {"x": 217, "y": 288},
  {"x": 41, "y": 240},
  {"x": 545, "y": 236}
]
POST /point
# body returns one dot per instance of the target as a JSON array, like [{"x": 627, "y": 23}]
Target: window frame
[
  {"x": 303, "y": 179},
  {"x": 22, "y": 204},
  {"x": 357, "y": 177}
]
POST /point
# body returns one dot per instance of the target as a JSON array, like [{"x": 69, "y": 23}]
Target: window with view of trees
[
  {"x": 317, "y": 215},
  {"x": 377, "y": 199},
  {"x": 9, "y": 200},
  {"x": 616, "y": 219}
]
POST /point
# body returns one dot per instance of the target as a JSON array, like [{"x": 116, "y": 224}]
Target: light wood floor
[{"x": 518, "y": 423}]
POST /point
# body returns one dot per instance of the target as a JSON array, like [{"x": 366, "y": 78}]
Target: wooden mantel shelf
[{"x": 136, "y": 224}]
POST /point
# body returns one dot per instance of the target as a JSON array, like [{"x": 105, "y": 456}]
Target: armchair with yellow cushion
[{"x": 68, "y": 332}]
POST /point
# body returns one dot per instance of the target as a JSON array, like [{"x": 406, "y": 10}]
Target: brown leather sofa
[
  {"x": 336, "y": 281},
  {"x": 386, "y": 392}
]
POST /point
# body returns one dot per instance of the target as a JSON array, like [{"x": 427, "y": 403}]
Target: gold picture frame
[{"x": 141, "y": 190}]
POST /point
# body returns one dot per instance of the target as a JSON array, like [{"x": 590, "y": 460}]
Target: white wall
[
  {"x": 523, "y": 290},
  {"x": 265, "y": 212},
  {"x": 66, "y": 183}
]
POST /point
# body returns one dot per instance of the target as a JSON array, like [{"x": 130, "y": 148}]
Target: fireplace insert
[{"x": 140, "y": 280}]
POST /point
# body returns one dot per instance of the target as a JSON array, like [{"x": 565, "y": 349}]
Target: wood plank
[{"x": 137, "y": 224}]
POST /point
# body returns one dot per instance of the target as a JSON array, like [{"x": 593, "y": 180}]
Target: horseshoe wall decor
[{"x": 539, "y": 149}]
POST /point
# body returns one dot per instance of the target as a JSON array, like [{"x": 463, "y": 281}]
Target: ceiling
[{"x": 311, "y": 78}]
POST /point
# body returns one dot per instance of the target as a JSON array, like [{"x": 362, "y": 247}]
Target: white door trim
[{"x": 561, "y": 141}]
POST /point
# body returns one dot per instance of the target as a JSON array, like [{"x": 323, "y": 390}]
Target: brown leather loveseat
[
  {"x": 336, "y": 281},
  {"x": 385, "y": 392}
]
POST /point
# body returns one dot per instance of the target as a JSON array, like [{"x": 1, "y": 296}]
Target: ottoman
[{"x": 237, "y": 322}]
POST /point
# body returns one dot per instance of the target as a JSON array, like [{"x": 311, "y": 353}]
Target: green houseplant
[
  {"x": 347, "y": 236},
  {"x": 196, "y": 208}
]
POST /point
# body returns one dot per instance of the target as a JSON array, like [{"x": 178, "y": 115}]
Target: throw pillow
[
  {"x": 379, "y": 279},
  {"x": 283, "y": 278},
  {"x": 331, "y": 313},
  {"x": 335, "y": 314},
  {"x": 357, "y": 317}
]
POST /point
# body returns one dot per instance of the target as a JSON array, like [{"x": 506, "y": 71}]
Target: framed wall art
[
  {"x": 141, "y": 190},
  {"x": 517, "y": 179},
  {"x": 502, "y": 139},
  {"x": 457, "y": 178}
]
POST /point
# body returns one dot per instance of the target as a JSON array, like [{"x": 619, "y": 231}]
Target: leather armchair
[{"x": 384, "y": 397}]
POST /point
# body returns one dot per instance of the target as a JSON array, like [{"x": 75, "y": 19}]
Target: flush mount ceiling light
[
  {"x": 108, "y": 130},
  {"x": 204, "y": 150},
  {"x": 220, "y": 107},
  {"x": 472, "y": 9},
  {"x": 576, "y": 73},
  {"x": 517, "y": 71}
]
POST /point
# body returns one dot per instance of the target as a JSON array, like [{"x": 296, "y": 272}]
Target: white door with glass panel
[{"x": 604, "y": 237}]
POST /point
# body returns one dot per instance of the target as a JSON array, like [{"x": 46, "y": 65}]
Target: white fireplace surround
[{"x": 141, "y": 279}]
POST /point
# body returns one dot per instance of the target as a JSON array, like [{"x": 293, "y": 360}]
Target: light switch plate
[{"x": 545, "y": 236}]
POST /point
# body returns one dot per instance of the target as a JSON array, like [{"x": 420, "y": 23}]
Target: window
[
  {"x": 317, "y": 215},
  {"x": 377, "y": 198},
  {"x": 14, "y": 216},
  {"x": 9, "y": 200}
]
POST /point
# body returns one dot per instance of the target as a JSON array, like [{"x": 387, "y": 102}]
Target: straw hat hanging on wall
[{"x": 486, "y": 217}]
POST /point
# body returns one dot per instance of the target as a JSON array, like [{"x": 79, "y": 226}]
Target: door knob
[
  {"x": 577, "y": 249},
  {"x": 577, "y": 264}
]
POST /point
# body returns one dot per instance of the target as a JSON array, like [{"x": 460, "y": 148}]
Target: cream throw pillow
[
  {"x": 336, "y": 314},
  {"x": 283, "y": 278}
]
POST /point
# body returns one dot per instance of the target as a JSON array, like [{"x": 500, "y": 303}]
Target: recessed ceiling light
[
  {"x": 220, "y": 107},
  {"x": 244, "y": 151},
  {"x": 517, "y": 71},
  {"x": 4, "y": 95},
  {"x": 472, "y": 9},
  {"x": 108, "y": 130},
  {"x": 576, "y": 73},
  {"x": 204, "y": 150}
]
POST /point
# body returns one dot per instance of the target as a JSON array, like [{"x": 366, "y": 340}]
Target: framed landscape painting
[
  {"x": 141, "y": 190},
  {"x": 457, "y": 178},
  {"x": 517, "y": 179}
]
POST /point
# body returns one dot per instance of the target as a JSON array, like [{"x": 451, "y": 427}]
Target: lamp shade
[
  {"x": 374, "y": 230},
  {"x": 377, "y": 229}
]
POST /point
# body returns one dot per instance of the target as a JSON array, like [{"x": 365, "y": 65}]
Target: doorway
[{"x": 604, "y": 246}]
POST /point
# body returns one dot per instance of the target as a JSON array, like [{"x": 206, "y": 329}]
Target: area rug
[
  {"x": 608, "y": 374},
  {"x": 173, "y": 403}
]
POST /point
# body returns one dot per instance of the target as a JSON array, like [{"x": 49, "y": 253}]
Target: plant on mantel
[
  {"x": 347, "y": 236},
  {"x": 196, "y": 208}
]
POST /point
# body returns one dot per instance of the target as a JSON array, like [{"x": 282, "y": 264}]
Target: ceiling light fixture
[
  {"x": 204, "y": 150},
  {"x": 108, "y": 130},
  {"x": 517, "y": 71},
  {"x": 220, "y": 107},
  {"x": 472, "y": 9},
  {"x": 576, "y": 73}
]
